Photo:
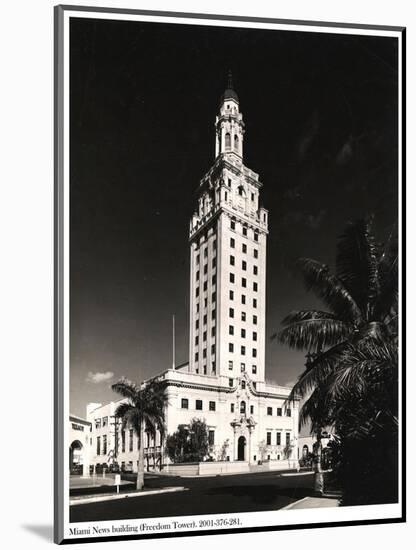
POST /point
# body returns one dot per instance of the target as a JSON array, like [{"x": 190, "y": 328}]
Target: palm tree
[
  {"x": 317, "y": 410},
  {"x": 143, "y": 409},
  {"x": 354, "y": 341}
]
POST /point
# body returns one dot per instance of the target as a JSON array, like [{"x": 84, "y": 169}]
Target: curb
[
  {"x": 289, "y": 474},
  {"x": 76, "y": 502},
  {"x": 292, "y": 504},
  {"x": 304, "y": 499}
]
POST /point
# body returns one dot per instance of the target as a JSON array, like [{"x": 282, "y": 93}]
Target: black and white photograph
[{"x": 229, "y": 332}]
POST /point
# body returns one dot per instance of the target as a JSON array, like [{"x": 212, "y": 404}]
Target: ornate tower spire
[{"x": 229, "y": 123}]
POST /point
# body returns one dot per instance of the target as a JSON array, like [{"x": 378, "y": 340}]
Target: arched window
[
  {"x": 235, "y": 143},
  {"x": 243, "y": 407},
  {"x": 227, "y": 141}
]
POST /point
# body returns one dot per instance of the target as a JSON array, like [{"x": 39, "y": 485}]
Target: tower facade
[
  {"x": 228, "y": 233},
  {"x": 248, "y": 419}
]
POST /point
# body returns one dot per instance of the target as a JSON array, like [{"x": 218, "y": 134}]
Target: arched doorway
[
  {"x": 75, "y": 457},
  {"x": 241, "y": 453},
  {"x": 305, "y": 451}
]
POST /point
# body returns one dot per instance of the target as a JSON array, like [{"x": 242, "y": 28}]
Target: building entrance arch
[
  {"x": 241, "y": 450},
  {"x": 75, "y": 456}
]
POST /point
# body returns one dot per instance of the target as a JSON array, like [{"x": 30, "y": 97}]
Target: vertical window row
[{"x": 205, "y": 282}]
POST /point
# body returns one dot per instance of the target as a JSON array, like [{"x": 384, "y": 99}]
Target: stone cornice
[
  {"x": 231, "y": 117},
  {"x": 202, "y": 387},
  {"x": 222, "y": 389},
  {"x": 221, "y": 162},
  {"x": 243, "y": 218},
  {"x": 208, "y": 222},
  {"x": 253, "y": 224}
]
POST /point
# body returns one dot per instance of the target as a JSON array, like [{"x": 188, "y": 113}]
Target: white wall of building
[{"x": 227, "y": 421}]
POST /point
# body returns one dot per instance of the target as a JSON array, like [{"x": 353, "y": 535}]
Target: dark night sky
[{"x": 321, "y": 130}]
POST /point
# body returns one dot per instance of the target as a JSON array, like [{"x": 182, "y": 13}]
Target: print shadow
[{"x": 45, "y": 532}]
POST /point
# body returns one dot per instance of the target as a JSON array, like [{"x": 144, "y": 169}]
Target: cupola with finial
[{"x": 229, "y": 123}]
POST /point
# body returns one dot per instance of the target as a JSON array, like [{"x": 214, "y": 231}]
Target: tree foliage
[
  {"x": 143, "y": 406},
  {"x": 188, "y": 443},
  {"x": 143, "y": 409},
  {"x": 350, "y": 382}
]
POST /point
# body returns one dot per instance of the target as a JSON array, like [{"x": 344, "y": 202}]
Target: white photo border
[{"x": 211, "y": 523}]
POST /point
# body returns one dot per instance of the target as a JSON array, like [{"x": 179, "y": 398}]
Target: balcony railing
[{"x": 151, "y": 451}]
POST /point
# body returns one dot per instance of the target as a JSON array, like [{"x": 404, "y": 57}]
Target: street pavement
[{"x": 253, "y": 492}]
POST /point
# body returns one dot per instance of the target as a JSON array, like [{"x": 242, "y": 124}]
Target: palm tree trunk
[
  {"x": 318, "y": 483},
  {"x": 161, "y": 453},
  {"x": 140, "y": 466}
]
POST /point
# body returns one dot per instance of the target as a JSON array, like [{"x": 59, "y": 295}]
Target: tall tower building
[
  {"x": 228, "y": 234},
  {"x": 248, "y": 418}
]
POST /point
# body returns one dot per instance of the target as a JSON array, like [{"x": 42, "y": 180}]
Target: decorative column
[
  {"x": 251, "y": 423},
  {"x": 235, "y": 424}
]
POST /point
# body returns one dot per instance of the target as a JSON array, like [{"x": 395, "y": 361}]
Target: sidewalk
[
  {"x": 101, "y": 498},
  {"x": 78, "y": 482},
  {"x": 278, "y": 471},
  {"x": 314, "y": 502}
]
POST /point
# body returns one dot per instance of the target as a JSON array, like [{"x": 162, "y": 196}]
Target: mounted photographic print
[{"x": 229, "y": 329}]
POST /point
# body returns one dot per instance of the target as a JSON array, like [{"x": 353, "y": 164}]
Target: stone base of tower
[
  {"x": 251, "y": 428},
  {"x": 248, "y": 424}
]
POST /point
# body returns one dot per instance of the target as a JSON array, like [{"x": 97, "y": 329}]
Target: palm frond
[
  {"x": 392, "y": 324},
  {"x": 365, "y": 428},
  {"x": 150, "y": 423},
  {"x": 364, "y": 367},
  {"x": 306, "y": 315},
  {"x": 126, "y": 389},
  {"x": 329, "y": 289},
  {"x": 388, "y": 269},
  {"x": 357, "y": 264},
  {"x": 145, "y": 405},
  {"x": 374, "y": 330},
  {"x": 316, "y": 410},
  {"x": 318, "y": 373},
  {"x": 122, "y": 409},
  {"x": 316, "y": 332},
  {"x": 131, "y": 418}
]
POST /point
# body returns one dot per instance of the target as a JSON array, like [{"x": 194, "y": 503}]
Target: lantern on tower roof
[{"x": 229, "y": 93}]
